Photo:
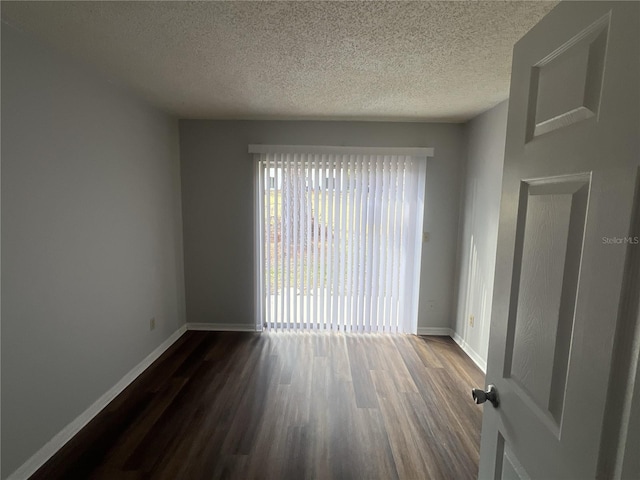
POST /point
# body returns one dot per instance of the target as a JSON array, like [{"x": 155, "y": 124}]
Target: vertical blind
[{"x": 339, "y": 238}]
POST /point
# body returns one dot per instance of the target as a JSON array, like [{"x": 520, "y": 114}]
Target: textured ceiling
[{"x": 436, "y": 61}]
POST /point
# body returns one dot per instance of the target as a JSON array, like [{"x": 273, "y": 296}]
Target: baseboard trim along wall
[
  {"x": 56, "y": 443},
  {"x": 448, "y": 332},
  {"x": 221, "y": 327},
  {"x": 477, "y": 359},
  {"x": 435, "y": 331}
]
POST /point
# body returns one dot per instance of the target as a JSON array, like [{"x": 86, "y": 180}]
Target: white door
[{"x": 570, "y": 200}]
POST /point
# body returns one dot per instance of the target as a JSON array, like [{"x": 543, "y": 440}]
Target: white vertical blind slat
[
  {"x": 294, "y": 240},
  {"x": 377, "y": 214},
  {"x": 300, "y": 250},
  {"x": 337, "y": 241},
  {"x": 395, "y": 316},
  {"x": 350, "y": 312},
  {"x": 339, "y": 231},
  {"x": 264, "y": 163},
  {"x": 300, "y": 220},
  {"x": 316, "y": 236},
  {"x": 300, "y": 241},
  {"x": 323, "y": 240},
  {"x": 409, "y": 188},
  {"x": 276, "y": 249},
  {"x": 410, "y": 237},
  {"x": 329, "y": 240},
  {"x": 286, "y": 314},
  {"x": 344, "y": 193},
  {"x": 362, "y": 247},
  {"x": 384, "y": 218},
  {"x": 308, "y": 213},
  {"x": 388, "y": 264},
  {"x": 261, "y": 276},
  {"x": 370, "y": 232}
]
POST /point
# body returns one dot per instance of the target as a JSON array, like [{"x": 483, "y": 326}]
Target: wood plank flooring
[{"x": 287, "y": 406}]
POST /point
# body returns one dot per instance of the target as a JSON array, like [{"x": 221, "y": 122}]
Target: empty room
[{"x": 320, "y": 240}]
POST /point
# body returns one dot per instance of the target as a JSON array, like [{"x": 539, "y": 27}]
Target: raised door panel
[{"x": 550, "y": 230}]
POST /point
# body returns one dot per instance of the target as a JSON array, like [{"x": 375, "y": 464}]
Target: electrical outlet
[
  {"x": 152, "y": 323},
  {"x": 472, "y": 320}
]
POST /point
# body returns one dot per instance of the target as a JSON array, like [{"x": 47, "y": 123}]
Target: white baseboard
[
  {"x": 438, "y": 331},
  {"x": 63, "y": 436},
  {"x": 221, "y": 327},
  {"x": 477, "y": 359},
  {"x": 466, "y": 348}
]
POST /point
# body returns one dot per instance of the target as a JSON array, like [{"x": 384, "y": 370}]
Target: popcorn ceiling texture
[{"x": 403, "y": 61}]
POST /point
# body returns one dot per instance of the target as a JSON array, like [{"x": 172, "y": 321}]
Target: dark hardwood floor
[{"x": 287, "y": 406}]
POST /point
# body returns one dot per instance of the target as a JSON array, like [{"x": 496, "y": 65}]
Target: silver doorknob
[{"x": 481, "y": 396}]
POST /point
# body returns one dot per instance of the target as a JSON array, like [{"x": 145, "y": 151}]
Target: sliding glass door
[{"x": 339, "y": 238}]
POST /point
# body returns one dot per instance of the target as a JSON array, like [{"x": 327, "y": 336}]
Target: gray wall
[
  {"x": 91, "y": 240},
  {"x": 217, "y": 186},
  {"x": 480, "y": 211}
]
